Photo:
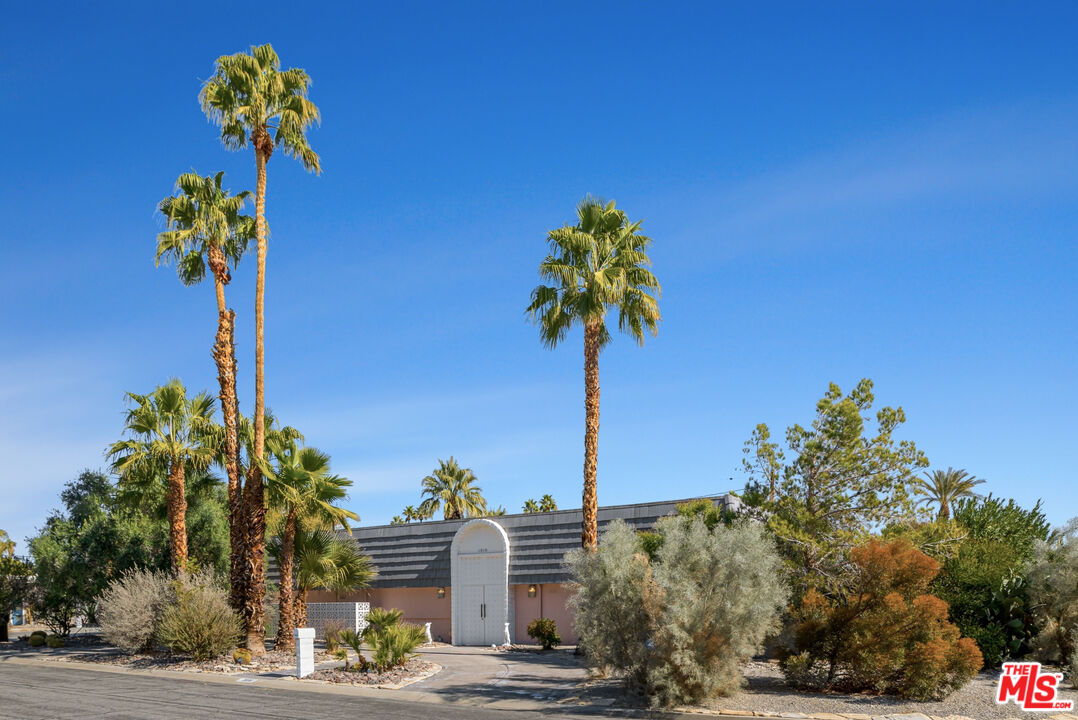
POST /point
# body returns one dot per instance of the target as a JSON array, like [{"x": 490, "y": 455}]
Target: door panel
[
  {"x": 494, "y": 597},
  {"x": 472, "y": 628}
]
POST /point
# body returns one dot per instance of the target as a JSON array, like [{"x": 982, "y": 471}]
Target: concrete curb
[{"x": 433, "y": 698}]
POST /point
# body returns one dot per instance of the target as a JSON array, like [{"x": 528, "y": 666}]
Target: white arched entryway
[{"x": 479, "y": 569}]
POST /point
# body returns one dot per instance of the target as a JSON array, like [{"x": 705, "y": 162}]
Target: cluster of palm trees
[
  {"x": 255, "y": 104},
  {"x": 597, "y": 265}
]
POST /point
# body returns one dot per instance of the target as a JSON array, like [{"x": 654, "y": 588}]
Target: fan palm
[
  {"x": 205, "y": 227},
  {"x": 324, "y": 560},
  {"x": 413, "y": 514},
  {"x": 300, "y": 486},
  {"x": 597, "y": 265},
  {"x": 255, "y": 102},
  {"x": 547, "y": 504},
  {"x": 944, "y": 487},
  {"x": 167, "y": 429},
  {"x": 452, "y": 489},
  {"x": 530, "y": 506}
]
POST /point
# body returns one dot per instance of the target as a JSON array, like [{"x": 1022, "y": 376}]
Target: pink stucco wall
[
  {"x": 549, "y": 602},
  {"x": 420, "y": 605}
]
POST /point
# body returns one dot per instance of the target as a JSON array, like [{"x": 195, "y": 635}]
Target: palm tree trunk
[
  {"x": 177, "y": 516},
  {"x": 285, "y": 640},
  {"x": 589, "y": 535},
  {"x": 254, "y": 615},
  {"x": 299, "y": 608},
  {"x": 224, "y": 355}
]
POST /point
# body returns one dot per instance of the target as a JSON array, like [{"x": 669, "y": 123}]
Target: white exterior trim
[{"x": 454, "y": 571}]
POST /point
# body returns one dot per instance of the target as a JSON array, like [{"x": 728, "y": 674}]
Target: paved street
[{"x": 37, "y": 692}]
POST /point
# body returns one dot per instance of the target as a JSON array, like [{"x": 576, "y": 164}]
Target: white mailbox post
[{"x": 304, "y": 651}]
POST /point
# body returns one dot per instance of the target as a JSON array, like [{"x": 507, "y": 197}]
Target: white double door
[{"x": 482, "y": 598}]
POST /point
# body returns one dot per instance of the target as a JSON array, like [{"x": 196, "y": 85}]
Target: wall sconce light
[
  {"x": 441, "y": 593},
  {"x": 531, "y": 591}
]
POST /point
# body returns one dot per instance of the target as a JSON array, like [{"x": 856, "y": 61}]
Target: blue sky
[{"x": 834, "y": 191}]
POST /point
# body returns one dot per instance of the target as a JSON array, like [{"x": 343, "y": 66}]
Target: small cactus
[
  {"x": 54, "y": 641},
  {"x": 241, "y": 656},
  {"x": 37, "y": 640}
]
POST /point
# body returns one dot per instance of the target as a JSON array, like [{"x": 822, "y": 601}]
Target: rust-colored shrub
[{"x": 884, "y": 634}]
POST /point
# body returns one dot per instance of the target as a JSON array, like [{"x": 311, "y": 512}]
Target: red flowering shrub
[{"x": 883, "y": 634}]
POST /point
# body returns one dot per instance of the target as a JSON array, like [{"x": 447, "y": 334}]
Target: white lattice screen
[{"x": 346, "y": 614}]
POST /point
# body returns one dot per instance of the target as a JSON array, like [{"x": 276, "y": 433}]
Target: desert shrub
[
  {"x": 608, "y": 605},
  {"x": 37, "y": 640},
  {"x": 200, "y": 623},
  {"x": 341, "y": 654},
  {"x": 545, "y": 632},
  {"x": 885, "y": 634},
  {"x": 677, "y": 627},
  {"x": 331, "y": 633},
  {"x": 54, "y": 641},
  {"x": 717, "y": 594},
  {"x": 1053, "y": 580},
  {"x": 393, "y": 645},
  {"x": 241, "y": 656},
  {"x": 131, "y": 608}
]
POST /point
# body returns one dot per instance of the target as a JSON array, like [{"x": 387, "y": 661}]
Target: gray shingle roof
[{"x": 417, "y": 554}]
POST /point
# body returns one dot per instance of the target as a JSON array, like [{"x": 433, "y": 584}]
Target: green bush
[
  {"x": 131, "y": 608},
  {"x": 677, "y": 627},
  {"x": 39, "y": 633},
  {"x": 393, "y": 645},
  {"x": 341, "y": 654},
  {"x": 37, "y": 640},
  {"x": 988, "y": 598},
  {"x": 54, "y": 641},
  {"x": 200, "y": 623},
  {"x": 545, "y": 632}
]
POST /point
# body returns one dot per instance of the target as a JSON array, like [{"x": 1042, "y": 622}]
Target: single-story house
[{"x": 478, "y": 580}]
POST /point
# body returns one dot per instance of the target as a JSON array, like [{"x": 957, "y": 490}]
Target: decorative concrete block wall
[{"x": 348, "y": 615}]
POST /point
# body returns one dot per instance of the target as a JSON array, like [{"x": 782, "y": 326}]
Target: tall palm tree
[
  {"x": 300, "y": 486},
  {"x": 547, "y": 504},
  {"x": 452, "y": 488},
  {"x": 413, "y": 514},
  {"x": 595, "y": 266},
  {"x": 944, "y": 487},
  {"x": 205, "y": 227},
  {"x": 324, "y": 560},
  {"x": 167, "y": 428},
  {"x": 530, "y": 506},
  {"x": 255, "y": 102}
]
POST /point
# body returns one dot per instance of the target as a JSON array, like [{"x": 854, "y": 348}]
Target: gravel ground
[
  {"x": 766, "y": 691},
  {"x": 415, "y": 669},
  {"x": 90, "y": 648}
]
